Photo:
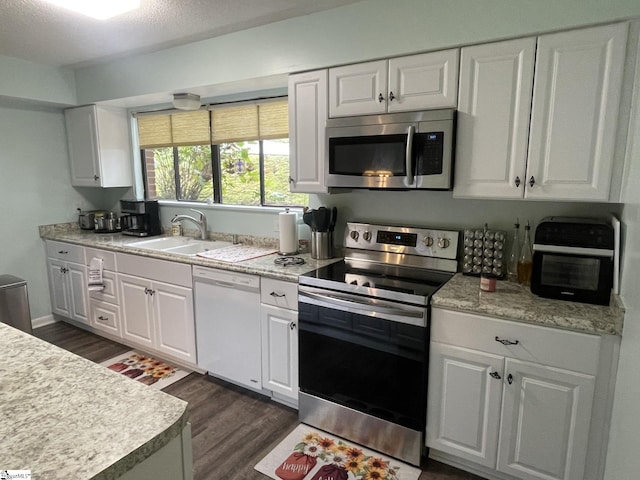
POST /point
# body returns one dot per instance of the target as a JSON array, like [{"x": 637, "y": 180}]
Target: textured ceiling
[{"x": 40, "y": 32}]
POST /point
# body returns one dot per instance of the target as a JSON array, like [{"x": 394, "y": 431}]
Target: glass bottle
[
  {"x": 514, "y": 254},
  {"x": 525, "y": 261}
]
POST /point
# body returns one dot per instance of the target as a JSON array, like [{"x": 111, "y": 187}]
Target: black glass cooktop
[{"x": 381, "y": 281}]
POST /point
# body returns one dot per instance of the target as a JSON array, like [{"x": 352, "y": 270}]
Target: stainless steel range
[{"x": 364, "y": 336}]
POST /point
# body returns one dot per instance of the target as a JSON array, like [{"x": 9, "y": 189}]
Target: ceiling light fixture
[
  {"x": 186, "y": 101},
  {"x": 100, "y": 9}
]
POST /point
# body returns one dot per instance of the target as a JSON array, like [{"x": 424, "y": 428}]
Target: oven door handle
[{"x": 362, "y": 306}]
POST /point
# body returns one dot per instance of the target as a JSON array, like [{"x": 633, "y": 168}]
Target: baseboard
[{"x": 42, "y": 321}]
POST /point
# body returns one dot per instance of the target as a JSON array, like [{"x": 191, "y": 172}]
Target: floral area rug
[
  {"x": 145, "y": 369},
  {"x": 311, "y": 454}
]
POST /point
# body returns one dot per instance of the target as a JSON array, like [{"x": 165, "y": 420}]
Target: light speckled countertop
[
  {"x": 66, "y": 417},
  {"x": 117, "y": 242},
  {"x": 516, "y": 302}
]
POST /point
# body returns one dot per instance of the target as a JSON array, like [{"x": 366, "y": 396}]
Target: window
[{"x": 230, "y": 154}]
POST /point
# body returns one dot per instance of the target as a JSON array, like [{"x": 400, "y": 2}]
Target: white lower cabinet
[
  {"x": 156, "y": 305},
  {"x": 497, "y": 399},
  {"x": 279, "y": 323},
  {"x": 158, "y": 315},
  {"x": 67, "y": 280}
]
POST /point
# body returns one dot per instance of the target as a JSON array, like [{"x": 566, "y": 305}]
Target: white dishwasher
[{"x": 227, "y": 307}]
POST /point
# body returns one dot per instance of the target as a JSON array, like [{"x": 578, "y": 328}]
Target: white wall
[
  {"x": 34, "y": 190},
  {"x": 35, "y": 82},
  {"x": 356, "y": 32}
]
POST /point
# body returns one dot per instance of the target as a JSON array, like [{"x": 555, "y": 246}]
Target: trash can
[{"x": 14, "y": 303}]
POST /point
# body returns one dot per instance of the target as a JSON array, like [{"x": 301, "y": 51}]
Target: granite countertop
[
  {"x": 66, "y": 417},
  {"x": 516, "y": 302},
  {"x": 263, "y": 266}
]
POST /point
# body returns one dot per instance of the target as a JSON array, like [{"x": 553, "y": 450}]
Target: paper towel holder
[{"x": 288, "y": 227}]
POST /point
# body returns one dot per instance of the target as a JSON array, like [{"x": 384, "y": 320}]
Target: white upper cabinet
[
  {"x": 496, "y": 82},
  {"x": 565, "y": 151},
  {"x": 307, "y": 118},
  {"x": 574, "y": 114},
  {"x": 99, "y": 147},
  {"x": 415, "y": 82}
]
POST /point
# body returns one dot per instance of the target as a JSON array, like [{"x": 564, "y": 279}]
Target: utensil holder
[{"x": 321, "y": 245}]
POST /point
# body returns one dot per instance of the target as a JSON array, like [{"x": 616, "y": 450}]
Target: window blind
[
  {"x": 223, "y": 124},
  {"x": 263, "y": 121},
  {"x": 175, "y": 129}
]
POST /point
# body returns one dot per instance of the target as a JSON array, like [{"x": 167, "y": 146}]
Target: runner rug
[
  {"x": 311, "y": 454},
  {"x": 145, "y": 369}
]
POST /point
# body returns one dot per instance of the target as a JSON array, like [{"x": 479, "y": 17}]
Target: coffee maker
[{"x": 140, "y": 218}]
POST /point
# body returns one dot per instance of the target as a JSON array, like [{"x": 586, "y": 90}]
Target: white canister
[{"x": 288, "y": 227}]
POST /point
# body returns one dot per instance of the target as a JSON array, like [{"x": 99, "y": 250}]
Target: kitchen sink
[{"x": 180, "y": 245}]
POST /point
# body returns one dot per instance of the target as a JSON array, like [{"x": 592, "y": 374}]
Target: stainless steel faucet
[{"x": 201, "y": 222}]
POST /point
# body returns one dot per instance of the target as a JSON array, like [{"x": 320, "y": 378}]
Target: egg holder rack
[{"x": 484, "y": 252}]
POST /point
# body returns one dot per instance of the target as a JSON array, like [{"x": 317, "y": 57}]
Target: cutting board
[{"x": 236, "y": 253}]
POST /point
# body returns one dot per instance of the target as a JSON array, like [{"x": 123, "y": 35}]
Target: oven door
[
  {"x": 572, "y": 273},
  {"x": 364, "y": 354}
]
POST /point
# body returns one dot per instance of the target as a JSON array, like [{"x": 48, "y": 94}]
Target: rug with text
[{"x": 311, "y": 454}]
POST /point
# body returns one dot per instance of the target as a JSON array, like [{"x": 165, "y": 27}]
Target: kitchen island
[{"x": 66, "y": 417}]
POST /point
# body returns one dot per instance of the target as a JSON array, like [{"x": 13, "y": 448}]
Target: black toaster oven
[{"x": 573, "y": 260}]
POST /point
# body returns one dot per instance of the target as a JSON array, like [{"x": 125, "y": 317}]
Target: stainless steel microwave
[
  {"x": 412, "y": 150},
  {"x": 573, "y": 260}
]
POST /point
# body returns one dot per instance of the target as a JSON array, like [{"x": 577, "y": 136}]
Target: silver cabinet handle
[
  {"x": 148, "y": 291},
  {"x": 517, "y": 182},
  {"x": 63, "y": 252},
  {"x": 495, "y": 375},
  {"x": 380, "y": 98},
  {"x": 532, "y": 181},
  {"x": 510, "y": 379},
  {"x": 103, "y": 319},
  {"x": 277, "y": 295},
  {"x": 96, "y": 177},
  {"x": 391, "y": 96},
  {"x": 292, "y": 325},
  {"x": 506, "y": 342}
]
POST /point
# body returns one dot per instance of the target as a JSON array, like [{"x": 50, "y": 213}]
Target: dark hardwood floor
[{"x": 232, "y": 428}]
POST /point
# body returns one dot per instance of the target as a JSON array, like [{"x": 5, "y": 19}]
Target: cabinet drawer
[
  {"x": 110, "y": 292},
  {"x": 162, "y": 270},
  {"x": 279, "y": 293},
  {"x": 549, "y": 346},
  {"x": 65, "y": 251},
  {"x": 105, "y": 317},
  {"x": 108, "y": 258}
]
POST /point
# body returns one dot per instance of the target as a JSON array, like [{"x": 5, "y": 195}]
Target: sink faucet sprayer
[{"x": 201, "y": 222}]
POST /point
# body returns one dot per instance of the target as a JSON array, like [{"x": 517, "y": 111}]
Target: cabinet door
[
  {"x": 137, "y": 314},
  {"x": 420, "y": 82},
  {"x": 78, "y": 293},
  {"x": 496, "y": 82},
  {"x": 545, "y": 422},
  {"x": 173, "y": 315},
  {"x": 58, "y": 287},
  {"x": 82, "y": 139},
  {"x": 359, "y": 89},
  {"x": 574, "y": 115},
  {"x": 463, "y": 408},
  {"x": 307, "y": 139},
  {"x": 280, "y": 350}
]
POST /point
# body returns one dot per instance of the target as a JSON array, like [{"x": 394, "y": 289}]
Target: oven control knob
[
  {"x": 428, "y": 241},
  {"x": 354, "y": 234},
  {"x": 443, "y": 243},
  {"x": 367, "y": 236}
]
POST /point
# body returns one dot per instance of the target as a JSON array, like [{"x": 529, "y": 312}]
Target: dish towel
[{"x": 96, "y": 283}]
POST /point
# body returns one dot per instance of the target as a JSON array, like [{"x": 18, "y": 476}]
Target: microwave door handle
[{"x": 409, "y": 154}]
